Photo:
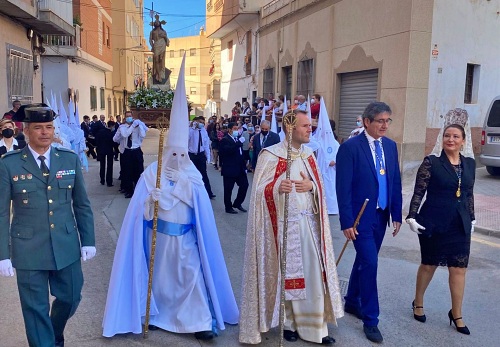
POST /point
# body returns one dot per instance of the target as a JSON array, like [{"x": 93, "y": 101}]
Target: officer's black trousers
[
  {"x": 106, "y": 168},
  {"x": 200, "y": 161},
  {"x": 132, "y": 168}
]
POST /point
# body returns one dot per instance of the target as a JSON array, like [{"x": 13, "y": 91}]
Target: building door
[{"x": 357, "y": 90}]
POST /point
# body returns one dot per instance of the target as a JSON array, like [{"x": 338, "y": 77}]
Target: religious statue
[{"x": 159, "y": 42}]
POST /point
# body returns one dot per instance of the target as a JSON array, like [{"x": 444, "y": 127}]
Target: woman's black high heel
[
  {"x": 462, "y": 330},
  {"x": 421, "y": 318}
]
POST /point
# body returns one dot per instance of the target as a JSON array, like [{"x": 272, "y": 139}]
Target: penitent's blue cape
[{"x": 126, "y": 301}]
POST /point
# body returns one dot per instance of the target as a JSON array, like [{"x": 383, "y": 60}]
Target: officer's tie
[
  {"x": 200, "y": 141},
  {"x": 381, "y": 175},
  {"x": 43, "y": 167},
  {"x": 129, "y": 142}
]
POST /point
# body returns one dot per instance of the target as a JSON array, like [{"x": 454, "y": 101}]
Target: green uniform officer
[{"x": 52, "y": 226}]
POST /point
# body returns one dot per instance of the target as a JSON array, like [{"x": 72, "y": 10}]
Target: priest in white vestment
[
  {"x": 312, "y": 290},
  {"x": 191, "y": 291}
]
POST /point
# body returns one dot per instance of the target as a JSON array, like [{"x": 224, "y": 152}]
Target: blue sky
[{"x": 183, "y": 17}]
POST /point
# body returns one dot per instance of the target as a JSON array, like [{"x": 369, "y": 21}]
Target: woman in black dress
[{"x": 445, "y": 221}]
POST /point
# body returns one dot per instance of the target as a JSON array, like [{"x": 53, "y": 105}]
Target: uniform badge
[
  {"x": 15, "y": 178},
  {"x": 25, "y": 156},
  {"x": 23, "y": 177},
  {"x": 56, "y": 154},
  {"x": 25, "y": 201},
  {"x": 29, "y": 176}
]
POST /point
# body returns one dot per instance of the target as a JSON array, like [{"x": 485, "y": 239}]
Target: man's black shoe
[
  {"x": 116, "y": 159},
  {"x": 290, "y": 336},
  {"x": 353, "y": 310},
  {"x": 102, "y": 182},
  {"x": 204, "y": 335},
  {"x": 211, "y": 196},
  {"x": 373, "y": 334},
  {"x": 231, "y": 211},
  {"x": 111, "y": 185},
  {"x": 240, "y": 208},
  {"x": 128, "y": 195},
  {"x": 59, "y": 341},
  {"x": 328, "y": 340}
]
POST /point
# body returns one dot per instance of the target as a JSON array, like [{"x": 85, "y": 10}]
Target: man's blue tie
[{"x": 382, "y": 179}]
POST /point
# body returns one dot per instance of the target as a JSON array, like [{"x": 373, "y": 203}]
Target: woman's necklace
[{"x": 459, "y": 175}]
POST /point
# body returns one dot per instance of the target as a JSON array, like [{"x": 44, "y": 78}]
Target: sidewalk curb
[{"x": 487, "y": 231}]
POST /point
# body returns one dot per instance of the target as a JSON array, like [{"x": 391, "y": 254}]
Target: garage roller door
[{"x": 357, "y": 90}]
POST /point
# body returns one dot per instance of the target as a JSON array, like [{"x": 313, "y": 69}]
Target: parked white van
[{"x": 490, "y": 139}]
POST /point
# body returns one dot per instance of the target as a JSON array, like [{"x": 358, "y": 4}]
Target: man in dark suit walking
[
  {"x": 265, "y": 138},
  {"x": 52, "y": 227},
  {"x": 368, "y": 168},
  {"x": 105, "y": 152},
  {"x": 89, "y": 138},
  {"x": 233, "y": 169}
]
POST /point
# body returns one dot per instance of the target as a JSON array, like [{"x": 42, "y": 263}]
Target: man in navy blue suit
[{"x": 368, "y": 168}]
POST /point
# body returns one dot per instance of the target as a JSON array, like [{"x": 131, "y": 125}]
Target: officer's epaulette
[
  {"x": 64, "y": 149},
  {"x": 11, "y": 153}
]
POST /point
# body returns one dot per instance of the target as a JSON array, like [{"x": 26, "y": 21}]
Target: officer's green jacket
[{"x": 51, "y": 218}]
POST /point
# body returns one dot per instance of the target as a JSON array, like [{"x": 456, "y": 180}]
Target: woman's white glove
[
  {"x": 6, "y": 269},
  {"x": 473, "y": 223},
  {"x": 414, "y": 226},
  {"x": 155, "y": 194}
]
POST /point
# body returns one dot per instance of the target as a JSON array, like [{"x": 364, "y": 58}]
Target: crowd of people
[{"x": 324, "y": 178}]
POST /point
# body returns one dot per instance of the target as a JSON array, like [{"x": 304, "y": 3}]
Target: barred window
[
  {"x": 21, "y": 76},
  {"x": 103, "y": 104},
  {"x": 268, "y": 81},
  {"x": 305, "y": 77},
  {"x": 93, "y": 98},
  {"x": 192, "y": 52},
  {"x": 192, "y": 90}
]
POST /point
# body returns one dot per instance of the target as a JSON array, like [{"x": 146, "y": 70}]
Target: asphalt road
[{"x": 398, "y": 262}]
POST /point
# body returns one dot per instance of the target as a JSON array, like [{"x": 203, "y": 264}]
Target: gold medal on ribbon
[
  {"x": 382, "y": 171},
  {"x": 458, "y": 193}
]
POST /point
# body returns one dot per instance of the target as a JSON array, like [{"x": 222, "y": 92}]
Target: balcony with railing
[
  {"x": 57, "y": 15},
  {"x": 66, "y": 45},
  {"x": 224, "y": 16}
]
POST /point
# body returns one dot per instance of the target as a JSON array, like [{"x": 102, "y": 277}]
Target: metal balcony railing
[{"x": 64, "y": 40}]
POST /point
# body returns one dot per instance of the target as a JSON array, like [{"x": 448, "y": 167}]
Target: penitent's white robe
[
  {"x": 178, "y": 285},
  {"x": 190, "y": 274},
  {"x": 312, "y": 287}
]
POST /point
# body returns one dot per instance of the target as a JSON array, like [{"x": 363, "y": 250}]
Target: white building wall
[
  {"x": 464, "y": 32},
  {"x": 235, "y": 84},
  {"x": 59, "y": 74}
]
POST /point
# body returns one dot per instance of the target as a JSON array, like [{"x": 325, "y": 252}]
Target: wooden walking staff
[
  {"x": 162, "y": 124},
  {"x": 289, "y": 121},
  {"x": 356, "y": 223}
]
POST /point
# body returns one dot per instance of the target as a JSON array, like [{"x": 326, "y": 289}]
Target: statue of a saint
[{"x": 159, "y": 42}]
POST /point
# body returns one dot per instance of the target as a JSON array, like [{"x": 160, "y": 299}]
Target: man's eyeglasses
[{"x": 383, "y": 121}]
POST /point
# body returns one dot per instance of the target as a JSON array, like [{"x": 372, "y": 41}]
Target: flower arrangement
[{"x": 148, "y": 98}]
